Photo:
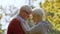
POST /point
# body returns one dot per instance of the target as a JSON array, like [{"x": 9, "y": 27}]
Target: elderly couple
[{"x": 18, "y": 25}]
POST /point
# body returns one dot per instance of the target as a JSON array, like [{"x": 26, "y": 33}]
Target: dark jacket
[{"x": 15, "y": 27}]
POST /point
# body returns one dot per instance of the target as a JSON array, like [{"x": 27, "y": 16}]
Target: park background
[{"x": 10, "y": 8}]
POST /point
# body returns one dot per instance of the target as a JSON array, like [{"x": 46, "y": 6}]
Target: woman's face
[{"x": 36, "y": 17}]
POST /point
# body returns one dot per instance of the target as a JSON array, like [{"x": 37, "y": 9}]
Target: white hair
[{"x": 38, "y": 11}]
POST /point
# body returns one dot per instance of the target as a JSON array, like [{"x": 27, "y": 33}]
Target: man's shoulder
[{"x": 13, "y": 21}]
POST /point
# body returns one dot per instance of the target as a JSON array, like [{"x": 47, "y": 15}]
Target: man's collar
[
  {"x": 24, "y": 25},
  {"x": 20, "y": 18}
]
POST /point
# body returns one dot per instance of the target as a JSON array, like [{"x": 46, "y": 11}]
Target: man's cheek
[{"x": 27, "y": 16}]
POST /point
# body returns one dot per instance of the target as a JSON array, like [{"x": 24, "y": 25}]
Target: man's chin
[{"x": 26, "y": 19}]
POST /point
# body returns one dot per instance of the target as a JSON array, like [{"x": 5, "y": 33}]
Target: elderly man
[{"x": 18, "y": 24}]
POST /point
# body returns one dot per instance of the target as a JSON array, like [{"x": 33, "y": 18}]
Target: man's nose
[{"x": 28, "y": 16}]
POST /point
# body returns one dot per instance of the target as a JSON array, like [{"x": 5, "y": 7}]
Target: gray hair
[
  {"x": 38, "y": 11},
  {"x": 26, "y": 7}
]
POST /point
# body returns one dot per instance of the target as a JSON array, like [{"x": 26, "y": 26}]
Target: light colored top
[
  {"x": 24, "y": 25},
  {"x": 40, "y": 27}
]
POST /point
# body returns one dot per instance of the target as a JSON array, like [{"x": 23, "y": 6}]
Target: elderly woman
[{"x": 40, "y": 26}]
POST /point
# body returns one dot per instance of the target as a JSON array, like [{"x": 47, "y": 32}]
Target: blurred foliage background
[
  {"x": 52, "y": 10},
  {"x": 5, "y": 15}
]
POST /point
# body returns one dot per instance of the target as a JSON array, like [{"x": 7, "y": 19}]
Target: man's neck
[{"x": 22, "y": 17}]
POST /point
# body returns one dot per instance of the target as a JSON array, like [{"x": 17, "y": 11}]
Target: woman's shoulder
[{"x": 43, "y": 23}]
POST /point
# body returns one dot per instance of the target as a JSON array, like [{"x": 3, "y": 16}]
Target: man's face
[{"x": 26, "y": 13}]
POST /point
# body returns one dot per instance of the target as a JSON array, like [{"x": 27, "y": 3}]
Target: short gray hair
[
  {"x": 38, "y": 11},
  {"x": 26, "y": 7}
]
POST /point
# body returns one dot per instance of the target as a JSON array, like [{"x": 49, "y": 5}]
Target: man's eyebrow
[{"x": 27, "y": 12}]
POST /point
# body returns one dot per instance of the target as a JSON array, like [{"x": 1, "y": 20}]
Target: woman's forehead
[{"x": 36, "y": 14}]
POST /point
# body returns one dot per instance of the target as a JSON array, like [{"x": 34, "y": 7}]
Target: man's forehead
[{"x": 28, "y": 8}]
